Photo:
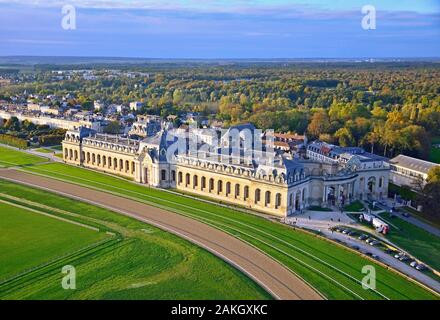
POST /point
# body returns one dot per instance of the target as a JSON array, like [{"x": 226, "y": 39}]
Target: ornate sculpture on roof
[{"x": 354, "y": 164}]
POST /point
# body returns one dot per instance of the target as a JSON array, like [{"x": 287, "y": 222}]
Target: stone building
[
  {"x": 409, "y": 171},
  {"x": 261, "y": 180}
]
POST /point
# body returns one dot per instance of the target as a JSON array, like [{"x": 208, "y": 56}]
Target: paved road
[
  {"x": 271, "y": 275},
  {"x": 324, "y": 226},
  {"x": 417, "y": 222}
]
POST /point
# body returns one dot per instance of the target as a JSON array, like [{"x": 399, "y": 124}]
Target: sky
[{"x": 221, "y": 29}]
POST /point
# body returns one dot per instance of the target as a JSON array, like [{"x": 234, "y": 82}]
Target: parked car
[
  {"x": 404, "y": 258},
  {"x": 370, "y": 240},
  {"x": 352, "y": 233},
  {"x": 375, "y": 257},
  {"x": 346, "y": 231},
  {"x": 406, "y": 215},
  {"x": 398, "y": 255},
  {"x": 356, "y": 248},
  {"x": 413, "y": 264},
  {"x": 421, "y": 267},
  {"x": 337, "y": 230},
  {"x": 374, "y": 243},
  {"x": 363, "y": 237}
]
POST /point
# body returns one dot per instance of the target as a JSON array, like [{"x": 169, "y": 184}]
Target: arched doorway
[{"x": 371, "y": 184}]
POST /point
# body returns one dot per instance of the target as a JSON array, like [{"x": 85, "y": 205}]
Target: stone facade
[{"x": 282, "y": 187}]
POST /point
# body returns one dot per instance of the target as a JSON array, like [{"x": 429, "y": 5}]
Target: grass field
[
  {"x": 44, "y": 150},
  {"x": 334, "y": 270},
  {"x": 415, "y": 240},
  {"x": 10, "y": 157},
  {"x": 28, "y": 239},
  {"x": 138, "y": 262},
  {"x": 356, "y": 206}
]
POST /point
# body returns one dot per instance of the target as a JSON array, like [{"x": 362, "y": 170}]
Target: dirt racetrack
[{"x": 271, "y": 275}]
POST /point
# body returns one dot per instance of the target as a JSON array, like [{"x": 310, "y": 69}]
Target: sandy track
[{"x": 271, "y": 275}]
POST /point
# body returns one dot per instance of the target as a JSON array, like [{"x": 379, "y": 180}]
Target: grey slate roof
[{"x": 413, "y": 163}]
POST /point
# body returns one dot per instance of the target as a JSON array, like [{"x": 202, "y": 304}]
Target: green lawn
[
  {"x": 10, "y": 157},
  {"x": 415, "y": 240},
  {"x": 356, "y": 206},
  {"x": 334, "y": 270},
  {"x": 28, "y": 239},
  {"x": 44, "y": 150},
  {"x": 434, "y": 156},
  {"x": 138, "y": 262}
]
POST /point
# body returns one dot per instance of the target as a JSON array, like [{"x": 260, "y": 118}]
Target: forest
[{"x": 386, "y": 107}]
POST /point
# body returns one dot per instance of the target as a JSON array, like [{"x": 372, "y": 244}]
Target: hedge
[
  {"x": 50, "y": 140},
  {"x": 13, "y": 141}
]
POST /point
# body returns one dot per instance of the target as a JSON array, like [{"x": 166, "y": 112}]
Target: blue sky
[{"x": 221, "y": 28}]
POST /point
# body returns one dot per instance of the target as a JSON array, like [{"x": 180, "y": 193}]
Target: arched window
[
  {"x": 219, "y": 186},
  {"x": 66, "y": 153},
  {"x": 180, "y": 177},
  {"x": 277, "y": 200},
  {"x": 76, "y": 155},
  {"x": 133, "y": 168},
  {"x": 88, "y": 157},
  {"x": 115, "y": 163},
  {"x": 70, "y": 154},
  {"x": 237, "y": 190},
  {"x": 173, "y": 175},
  {"x": 99, "y": 159},
  {"x": 257, "y": 195},
  {"x": 93, "y": 158},
  {"x": 187, "y": 180},
  {"x": 121, "y": 164},
  {"x": 195, "y": 181},
  {"x": 163, "y": 175},
  {"x": 267, "y": 198},
  {"x": 228, "y": 188},
  {"x": 203, "y": 183},
  {"x": 291, "y": 200},
  {"x": 246, "y": 193},
  {"x": 104, "y": 161},
  {"x": 127, "y": 166},
  {"x": 211, "y": 185}
]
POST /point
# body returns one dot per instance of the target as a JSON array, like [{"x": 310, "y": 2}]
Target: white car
[{"x": 413, "y": 264}]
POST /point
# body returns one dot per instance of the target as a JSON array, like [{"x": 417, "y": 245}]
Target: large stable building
[{"x": 262, "y": 180}]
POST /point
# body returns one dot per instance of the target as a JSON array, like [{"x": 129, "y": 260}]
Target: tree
[
  {"x": 345, "y": 137},
  {"x": 113, "y": 128},
  {"x": 373, "y": 137},
  {"x": 12, "y": 124},
  {"x": 434, "y": 175},
  {"x": 319, "y": 124},
  {"x": 429, "y": 199}
]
